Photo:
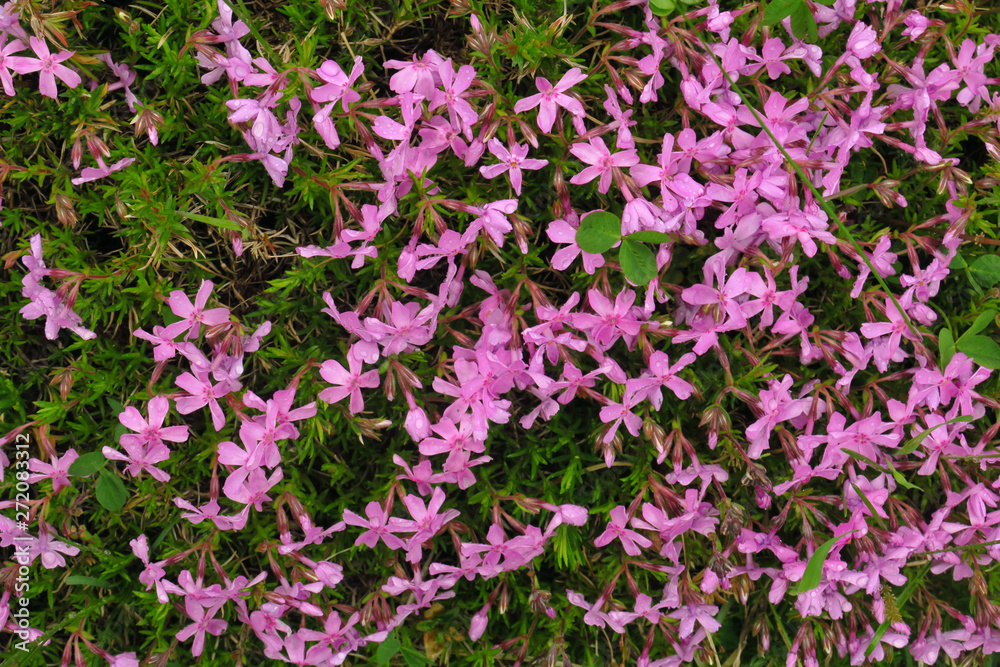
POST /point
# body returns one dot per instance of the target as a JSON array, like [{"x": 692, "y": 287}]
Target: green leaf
[
  {"x": 649, "y": 236},
  {"x": 387, "y": 649},
  {"x": 887, "y": 469},
  {"x": 778, "y": 10},
  {"x": 983, "y": 321},
  {"x": 958, "y": 263},
  {"x": 599, "y": 232},
  {"x": 638, "y": 262},
  {"x": 414, "y": 658},
  {"x": 898, "y": 476},
  {"x": 80, "y": 580},
  {"x": 984, "y": 351},
  {"x": 986, "y": 269},
  {"x": 87, "y": 464},
  {"x": 814, "y": 568},
  {"x": 946, "y": 345},
  {"x": 915, "y": 441},
  {"x": 662, "y": 7},
  {"x": 868, "y": 503},
  {"x": 111, "y": 492},
  {"x": 803, "y": 23}
]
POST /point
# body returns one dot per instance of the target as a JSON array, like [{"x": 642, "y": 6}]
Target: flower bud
[
  {"x": 64, "y": 209},
  {"x": 478, "y": 625}
]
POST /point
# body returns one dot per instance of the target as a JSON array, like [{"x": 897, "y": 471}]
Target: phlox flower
[
  {"x": 616, "y": 529},
  {"x": 348, "y": 382},
  {"x": 152, "y": 431},
  {"x": 550, "y": 98},
  {"x": 194, "y": 314},
  {"x": 57, "y": 470},
  {"x": 602, "y": 162},
  {"x": 48, "y": 66},
  {"x": 140, "y": 456},
  {"x": 512, "y": 162},
  {"x": 203, "y": 623}
]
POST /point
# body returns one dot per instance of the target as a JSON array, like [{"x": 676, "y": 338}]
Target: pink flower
[
  {"x": 550, "y": 98},
  {"x": 349, "y": 382},
  {"x": 48, "y": 66},
  {"x": 203, "y": 623},
  {"x": 601, "y": 162},
  {"x": 454, "y": 95},
  {"x": 8, "y": 62},
  {"x": 380, "y": 527},
  {"x": 57, "y": 471},
  {"x": 616, "y": 529},
  {"x": 152, "y": 432},
  {"x": 512, "y": 162},
  {"x": 194, "y": 314}
]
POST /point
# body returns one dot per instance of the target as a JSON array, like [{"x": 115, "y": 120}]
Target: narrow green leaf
[
  {"x": 981, "y": 349},
  {"x": 80, "y": 580},
  {"x": 599, "y": 232},
  {"x": 898, "y": 476},
  {"x": 983, "y": 321},
  {"x": 111, "y": 492},
  {"x": 778, "y": 10},
  {"x": 868, "y": 503},
  {"x": 814, "y": 568},
  {"x": 915, "y": 441},
  {"x": 986, "y": 270},
  {"x": 215, "y": 222},
  {"x": 638, "y": 262},
  {"x": 649, "y": 236},
  {"x": 887, "y": 469},
  {"x": 87, "y": 464},
  {"x": 946, "y": 345}
]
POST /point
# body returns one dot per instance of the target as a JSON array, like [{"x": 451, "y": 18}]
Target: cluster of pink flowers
[
  {"x": 57, "y": 308},
  {"x": 731, "y": 189}
]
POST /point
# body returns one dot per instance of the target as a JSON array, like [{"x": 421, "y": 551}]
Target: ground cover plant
[{"x": 499, "y": 333}]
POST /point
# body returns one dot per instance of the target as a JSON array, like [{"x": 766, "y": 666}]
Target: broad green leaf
[
  {"x": 915, "y": 441},
  {"x": 983, "y": 321},
  {"x": 87, "y": 464},
  {"x": 946, "y": 345},
  {"x": 814, "y": 568},
  {"x": 599, "y": 232},
  {"x": 662, "y": 7},
  {"x": 117, "y": 407},
  {"x": 778, "y": 10},
  {"x": 958, "y": 263},
  {"x": 387, "y": 649},
  {"x": 984, "y": 351},
  {"x": 986, "y": 270},
  {"x": 111, "y": 492},
  {"x": 638, "y": 262},
  {"x": 80, "y": 580},
  {"x": 414, "y": 658},
  {"x": 649, "y": 236},
  {"x": 803, "y": 23}
]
